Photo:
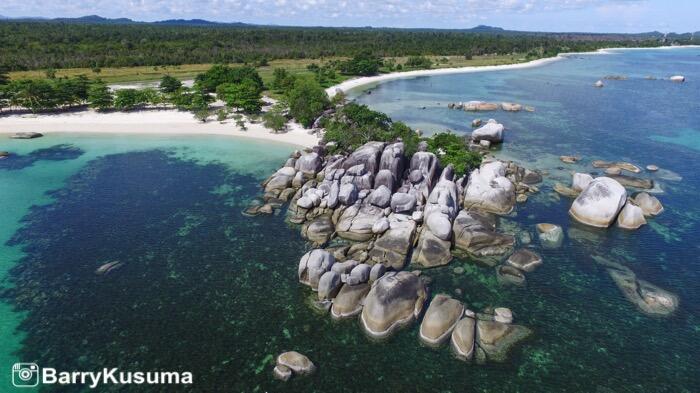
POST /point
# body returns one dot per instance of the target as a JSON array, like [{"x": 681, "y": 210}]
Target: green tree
[
  {"x": 50, "y": 73},
  {"x": 35, "y": 95},
  {"x": 419, "y": 62},
  {"x": 307, "y": 100},
  {"x": 201, "y": 115},
  {"x": 4, "y": 78},
  {"x": 99, "y": 96},
  {"x": 453, "y": 149},
  {"x": 220, "y": 74},
  {"x": 364, "y": 63},
  {"x": 244, "y": 95},
  {"x": 128, "y": 99},
  {"x": 274, "y": 119},
  {"x": 282, "y": 80},
  {"x": 169, "y": 84}
]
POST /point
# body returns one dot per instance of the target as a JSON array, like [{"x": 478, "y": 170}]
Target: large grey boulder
[
  {"x": 356, "y": 222},
  {"x": 392, "y": 248},
  {"x": 488, "y": 189},
  {"x": 376, "y": 272},
  {"x": 281, "y": 179},
  {"x": 393, "y": 160},
  {"x": 385, "y": 178},
  {"x": 333, "y": 195},
  {"x": 649, "y": 204},
  {"x": 442, "y": 207},
  {"x": 580, "y": 181},
  {"x": 463, "y": 338},
  {"x": 631, "y": 217},
  {"x": 395, "y": 300},
  {"x": 427, "y": 164},
  {"x": 309, "y": 163},
  {"x": 349, "y": 300},
  {"x": 312, "y": 266},
  {"x": 359, "y": 274},
  {"x": 319, "y": 230},
  {"x": 380, "y": 197},
  {"x": 599, "y": 203},
  {"x": 431, "y": 251},
  {"x": 440, "y": 318},
  {"x": 368, "y": 155},
  {"x": 347, "y": 195},
  {"x": 329, "y": 285},
  {"x": 344, "y": 267},
  {"x": 491, "y": 131},
  {"x": 475, "y": 234},
  {"x": 402, "y": 202}
]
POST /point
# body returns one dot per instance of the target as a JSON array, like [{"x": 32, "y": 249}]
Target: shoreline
[
  {"x": 175, "y": 122},
  {"x": 356, "y": 83},
  {"x": 163, "y": 122}
]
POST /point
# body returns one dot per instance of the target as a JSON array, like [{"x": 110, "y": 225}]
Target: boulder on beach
[
  {"x": 281, "y": 179},
  {"x": 441, "y": 317},
  {"x": 395, "y": 300},
  {"x": 309, "y": 163},
  {"x": 649, "y": 204},
  {"x": 631, "y": 217},
  {"x": 463, "y": 338},
  {"x": 599, "y": 204},
  {"x": 298, "y": 363}
]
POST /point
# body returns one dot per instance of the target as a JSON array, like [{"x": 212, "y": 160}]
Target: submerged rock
[
  {"x": 599, "y": 204},
  {"x": 496, "y": 339},
  {"x": 550, "y": 235},
  {"x": 509, "y": 275},
  {"x": 395, "y": 300},
  {"x": 569, "y": 159},
  {"x": 441, "y": 317},
  {"x": 281, "y": 372},
  {"x": 620, "y": 164},
  {"x": 26, "y": 135},
  {"x": 108, "y": 267},
  {"x": 635, "y": 182},
  {"x": 525, "y": 260},
  {"x": 649, "y": 298}
]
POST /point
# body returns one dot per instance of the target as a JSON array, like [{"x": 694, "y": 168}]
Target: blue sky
[{"x": 540, "y": 15}]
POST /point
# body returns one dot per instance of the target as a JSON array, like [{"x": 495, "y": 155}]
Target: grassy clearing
[{"x": 298, "y": 67}]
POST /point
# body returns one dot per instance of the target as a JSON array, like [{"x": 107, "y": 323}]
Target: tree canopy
[{"x": 307, "y": 100}]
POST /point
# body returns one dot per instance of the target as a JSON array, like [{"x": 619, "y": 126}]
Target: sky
[{"x": 626, "y": 16}]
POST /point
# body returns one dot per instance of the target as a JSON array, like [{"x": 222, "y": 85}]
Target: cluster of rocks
[
  {"x": 4, "y": 154},
  {"x": 376, "y": 210},
  {"x": 482, "y": 106},
  {"x": 514, "y": 269},
  {"x": 292, "y": 362},
  {"x": 26, "y": 135},
  {"x": 602, "y": 201},
  {"x": 599, "y": 83}
]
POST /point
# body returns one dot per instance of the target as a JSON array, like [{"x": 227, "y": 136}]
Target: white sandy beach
[
  {"x": 170, "y": 121},
  {"x": 166, "y": 121}
]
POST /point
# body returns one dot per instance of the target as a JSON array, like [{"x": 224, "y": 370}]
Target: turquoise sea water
[{"x": 204, "y": 289}]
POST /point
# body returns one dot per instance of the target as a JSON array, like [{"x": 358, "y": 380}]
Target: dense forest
[{"x": 40, "y": 45}]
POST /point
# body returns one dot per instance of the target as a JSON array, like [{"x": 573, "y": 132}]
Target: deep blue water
[{"x": 208, "y": 290}]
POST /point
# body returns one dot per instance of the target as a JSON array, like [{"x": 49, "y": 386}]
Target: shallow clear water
[{"x": 208, "y": 290}]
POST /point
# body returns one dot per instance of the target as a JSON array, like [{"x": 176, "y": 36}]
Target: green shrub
[{"x": 453, "y": 149}]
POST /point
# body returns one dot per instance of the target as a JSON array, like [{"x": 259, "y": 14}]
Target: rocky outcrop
[
  {"x": 647, "y": 297},
  {"x": 319, "y": 230},
  {"x": 439, "y": 320},
  {"x": 599, "y": 204},
  {"x": 489, "y": 190},
  {"x": 395, "y": 300},
  {"x": 26, "y": 135},
  {"x": 479, "y": 106},
  {"x": 634, "y": 182},
  {"x": 392, "y": 248},
  {"x": 356, "y": 222},
  {"x": 620, "y": 164},
  {"x": 511, "y": 107},
  {"x": 677, "y": 78}
]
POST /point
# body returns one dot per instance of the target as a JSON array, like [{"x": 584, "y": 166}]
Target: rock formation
[{"x": 599, "y": 203}]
